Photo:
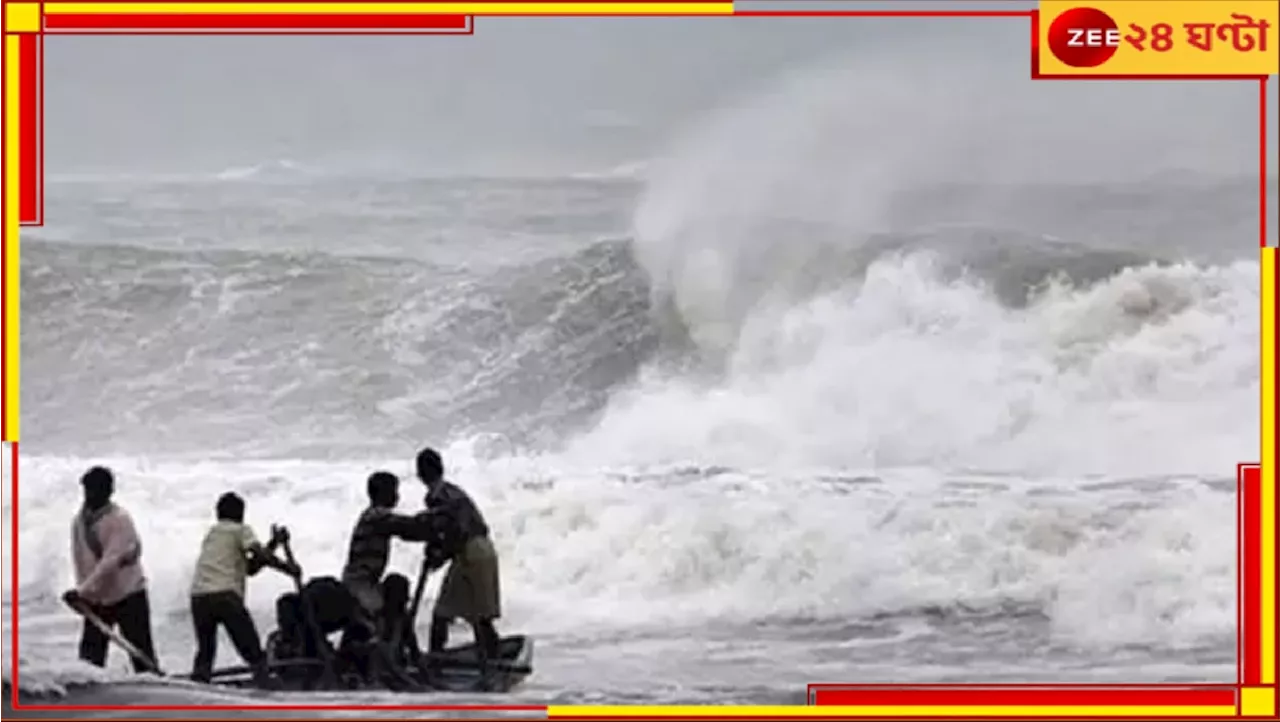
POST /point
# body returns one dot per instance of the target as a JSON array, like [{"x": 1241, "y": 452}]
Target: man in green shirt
[{"x": 229, "y": 554}]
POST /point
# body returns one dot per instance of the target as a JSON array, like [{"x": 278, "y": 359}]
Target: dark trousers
[
  {"x": 133, "y": 616},
  {"x": 208, "y": 611}
]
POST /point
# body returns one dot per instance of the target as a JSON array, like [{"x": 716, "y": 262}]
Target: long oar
[
  {"x": 421, "y": 588},
  {"x": 423, "y": 572},
  {"x": 120, "y": 641},
  {"x": 330, "y": 678}
]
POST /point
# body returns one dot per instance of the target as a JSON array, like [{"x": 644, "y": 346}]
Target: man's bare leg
[{"x": 486, "y": 648}]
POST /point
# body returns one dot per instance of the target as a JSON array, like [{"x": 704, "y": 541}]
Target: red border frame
[{"x": 31, "y": 204}]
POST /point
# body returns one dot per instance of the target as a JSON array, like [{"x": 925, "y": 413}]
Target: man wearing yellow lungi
[{"x": 470, "y": 590}]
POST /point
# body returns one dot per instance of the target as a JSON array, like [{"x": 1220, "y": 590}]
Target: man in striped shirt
[{"x": 367, "y": 558}]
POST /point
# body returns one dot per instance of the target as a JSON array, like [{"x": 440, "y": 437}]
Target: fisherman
[
  {"x": 230, "y": 553},
  {"x": 470, "y": 590},
  {"x": 367, "y": 559},
  {"x": 397, "y": 622},
  {"x": 302, "y": 632},
  {"x": 330, "y": 605},
  {"x": 111, "y": 584}
]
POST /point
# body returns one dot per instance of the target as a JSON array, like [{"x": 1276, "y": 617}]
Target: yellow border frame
[{"x": 11, "y": 282}]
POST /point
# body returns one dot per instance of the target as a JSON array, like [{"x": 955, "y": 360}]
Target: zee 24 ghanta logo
[{"x": 1086, "y": 37}]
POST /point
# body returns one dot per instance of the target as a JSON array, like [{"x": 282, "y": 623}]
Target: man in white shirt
[{"x": 230, "y": 553}]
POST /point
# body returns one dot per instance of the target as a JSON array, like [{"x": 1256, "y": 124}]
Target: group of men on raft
[{"x": 373, "y": 612}]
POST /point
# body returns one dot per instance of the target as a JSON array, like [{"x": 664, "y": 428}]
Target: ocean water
[{"x": 784, "y": 398}]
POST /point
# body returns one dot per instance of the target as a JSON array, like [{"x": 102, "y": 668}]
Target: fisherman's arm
[
  {"x": 453, "y": 510},
  {"x": 120, "y": 541},
  {"x": 258, "y": 557},
  {"x": 71, "y": 595},
  {"x": 75, "y": 546},
  {"x": 437, "y": 555},
  {"x": 456, "y": 505},
  {"x": 279, "y": 537},
  {"x": 416, "y": 528}
]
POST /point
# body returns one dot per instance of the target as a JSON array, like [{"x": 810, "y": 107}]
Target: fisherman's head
[
  {"x": 231, "y": 507},
  {"x": 384, "y": 489},
  {"x": 395, "y": 591},
  {"x": 98, "y": 484},
  {"x": 430, "y": 467}
]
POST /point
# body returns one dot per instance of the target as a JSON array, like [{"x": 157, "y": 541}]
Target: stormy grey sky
[{"x": 553, "y": 95}]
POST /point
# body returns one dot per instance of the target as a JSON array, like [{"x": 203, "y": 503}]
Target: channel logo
[
  {"x": 1144, "y": 38},
  {"x": 1083, "y": 37}
]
